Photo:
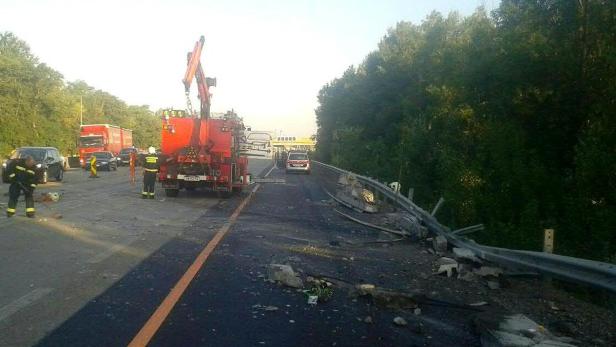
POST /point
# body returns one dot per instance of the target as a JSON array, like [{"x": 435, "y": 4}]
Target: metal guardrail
[{"x": 594, "y": 273}]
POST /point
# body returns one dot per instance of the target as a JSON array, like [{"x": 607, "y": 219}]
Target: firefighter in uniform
[
  {"x": 22, "y": 179},
  {"x": 150, "y": 169}
]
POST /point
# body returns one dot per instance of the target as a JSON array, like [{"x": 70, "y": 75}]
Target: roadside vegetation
[
  {"x": 510, "y": 116},
  {"x": 39, "y": 108}
]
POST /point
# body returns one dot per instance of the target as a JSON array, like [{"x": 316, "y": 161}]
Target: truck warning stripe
[{"x": 147, "y": 332}]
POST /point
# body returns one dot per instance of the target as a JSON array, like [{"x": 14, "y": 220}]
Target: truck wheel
[
  {"x": 172, "y": 193},
  {"x": 60, "y": 176}
]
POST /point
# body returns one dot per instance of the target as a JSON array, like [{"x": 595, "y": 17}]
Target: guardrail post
[
  {"x": 548, "y": 247},
  {"x": 438, "y": 205},
  {"x": 548, "y": 240}
]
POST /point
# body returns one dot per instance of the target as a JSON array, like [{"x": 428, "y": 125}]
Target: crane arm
[{"x": 193, "y": 70}]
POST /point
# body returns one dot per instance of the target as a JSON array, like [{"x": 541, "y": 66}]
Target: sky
[{"x": 270, "y": 58}]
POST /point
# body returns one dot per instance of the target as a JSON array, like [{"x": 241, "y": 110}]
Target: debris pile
[
  {"x": 516, "y": 330},
  {"x": 447, "y": 266},
  {"x": 466, "y": 265},
  {"x": 404, "y": 221},
  {"x": 320, "y": 291},
  {"x": 351, "y": 192},
  {"x": 285, "y": 275},
  {"x": 49, "y": 197}
]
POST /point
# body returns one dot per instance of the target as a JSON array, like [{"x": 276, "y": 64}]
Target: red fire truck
[
  {"x": 198, "y": 150},
  {"x": 103, "y": 138}
]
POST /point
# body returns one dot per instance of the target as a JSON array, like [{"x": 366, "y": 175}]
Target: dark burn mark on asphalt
[{"x": 115, "y": 316}]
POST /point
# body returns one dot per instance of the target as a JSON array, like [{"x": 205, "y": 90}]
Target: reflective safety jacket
[
  {"x": 151, "y": 163},
  {"x": 17, "y": 172}
]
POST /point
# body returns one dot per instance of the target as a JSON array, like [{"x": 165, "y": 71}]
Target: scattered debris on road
[
  {"x": 439, "y": 243},
  {"x": 479, "y": 303},
  {"x": 516, "y": 330},
  {"x": 49, "y": 197},
  {"x": 265, "y": 308},
  {"x": 400, "y": 321},
  {"x": 447, "y": 266},
  {"x": 285, "y": 275},
  {"x": 321, "y": 289},
  {"x": 313, "y": 299}
]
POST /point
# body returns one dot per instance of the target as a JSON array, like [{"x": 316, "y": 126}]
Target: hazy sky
[{"x": 270, "y": 57}]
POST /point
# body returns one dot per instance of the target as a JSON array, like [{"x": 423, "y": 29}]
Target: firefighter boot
[{"x": 10, "y": 212}]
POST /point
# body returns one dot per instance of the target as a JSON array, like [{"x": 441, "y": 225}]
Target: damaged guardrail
[{"x": 594, "y": 273}]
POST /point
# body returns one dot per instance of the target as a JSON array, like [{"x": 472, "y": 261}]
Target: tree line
[
  {"x": 510, "y": 116},
  {"x": 39, "y": 108}
]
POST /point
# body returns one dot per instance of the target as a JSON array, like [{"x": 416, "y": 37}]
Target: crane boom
[{"x": 193, "y": 70}]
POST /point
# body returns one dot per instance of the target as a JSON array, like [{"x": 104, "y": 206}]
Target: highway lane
[
  {"x": 52, "y": 267},
  {"x": 290, "y": 223}
]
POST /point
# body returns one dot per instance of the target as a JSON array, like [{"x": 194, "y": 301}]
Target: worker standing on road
[
  {"x": 150, "y": 169},
  {"x": 22, "y": 178},
  {"x": 131, "y": 161},
  {"x": 93, "y": 173}
]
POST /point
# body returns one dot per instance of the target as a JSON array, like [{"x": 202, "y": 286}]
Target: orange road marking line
[{"x": 145, "y": 335}]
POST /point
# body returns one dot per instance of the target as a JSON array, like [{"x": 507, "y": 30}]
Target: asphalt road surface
[
  {"x": 193, "y": 271},
  {"x": 51, "y": 267}
]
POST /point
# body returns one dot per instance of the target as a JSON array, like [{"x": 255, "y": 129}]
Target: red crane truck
[
  {"x": 102, "y": 138},
  {"x": 198, "y": 150}
]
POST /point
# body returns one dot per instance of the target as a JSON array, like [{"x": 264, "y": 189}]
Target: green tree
[{"x": 510, "y": 117}]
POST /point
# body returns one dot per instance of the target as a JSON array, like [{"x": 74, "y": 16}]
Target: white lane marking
[
  {"x": 270, "y": 180},
  {"x": 270, "y": 171},
  {"x": 120, "y": 247},
  {"x": 26, "y": 300}
]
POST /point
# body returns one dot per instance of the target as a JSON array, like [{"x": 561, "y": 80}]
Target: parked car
[
  {"x": 124, "y": 156},
  {"x": 104, "y": 161},
  {"x": 49, "y": 162},
  {"x": 298, "y": 162}
]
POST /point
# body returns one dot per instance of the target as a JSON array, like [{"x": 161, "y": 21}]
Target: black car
[
  {"x": 104, "y": 161},
  {"x": 124, "y": 156},
  {"x": 49, "y": 162}
]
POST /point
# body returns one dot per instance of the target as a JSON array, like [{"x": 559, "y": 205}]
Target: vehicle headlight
[{"x": 38, "y": 166}]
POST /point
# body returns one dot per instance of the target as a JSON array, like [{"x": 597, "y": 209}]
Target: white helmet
[{"x": 152, "y": 150}]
